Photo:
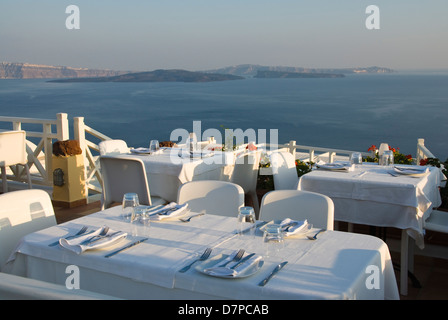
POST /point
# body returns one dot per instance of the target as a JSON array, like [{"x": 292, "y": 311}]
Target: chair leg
[
  {"x": 254, "y": 197},
  {"x": 4, "y": 181},
  {"x": 30, "y": 186}
]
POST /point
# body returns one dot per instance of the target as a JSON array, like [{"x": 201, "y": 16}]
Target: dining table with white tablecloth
[
  {"x": 169, "y": 168},
  {"x": 338, "y": 265},
  {"x": 400, "y": 196}
]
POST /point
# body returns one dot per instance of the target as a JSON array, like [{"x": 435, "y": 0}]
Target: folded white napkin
[
  {"x": 161, "y": 213},
  {"x": 146, "y": 151},
  {"x": 296, "y": 227},
  {"x": 335, "y": 166},
  {"x": 81, "y": 244},
  {"x": 227, "y": 271},
  {"x": 411, "y": 170}
]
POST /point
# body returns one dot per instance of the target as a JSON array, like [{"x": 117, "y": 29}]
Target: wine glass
[
  {"x": 246, "y": 219},
  {"x": 154, "y": 145},
  {"x": 130, "y": 200}
]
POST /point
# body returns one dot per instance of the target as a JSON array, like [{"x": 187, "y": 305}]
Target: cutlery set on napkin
[
  {"x": 170, "y": 210},
  {"x": 146, "y": 151},
  {"x": 99, "y": 238},
  {"x": 231, "y": 267},
  {"x": 411, "y": 170},
  {"x": 335, "y": 166}
]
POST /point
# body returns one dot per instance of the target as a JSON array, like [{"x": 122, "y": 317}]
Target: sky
[{"x": 144, "y": 35}]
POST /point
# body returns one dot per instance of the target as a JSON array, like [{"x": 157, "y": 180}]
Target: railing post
[
  {"x": 62, "y": 127},
  {"x": 292, "y": 148},
  {"x": 48, "y": 149},
  {"x": 80, "y": 134}
]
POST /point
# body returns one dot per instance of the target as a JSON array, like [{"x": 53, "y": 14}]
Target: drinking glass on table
[
  {"x": 273, "y": 240},
  {"x": 356, "y": 158},
  {"x": 246, "y": 219},
  {"x": 154, "y": 145},
  {"x": 387, "y": 159},
  {"x": 130, "y": 200},
  {"x": 140, "y": 221}
]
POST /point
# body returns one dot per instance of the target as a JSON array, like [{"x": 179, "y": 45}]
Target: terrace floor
[{"x": 431, "y": 272}]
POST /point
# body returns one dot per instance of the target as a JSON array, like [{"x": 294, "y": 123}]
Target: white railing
[
  {"x": 93, "y": 177},
  {"x": 422, "y": 151},
  {"x": 40, "y": 154},
  {"x": 309, "y": 153}
]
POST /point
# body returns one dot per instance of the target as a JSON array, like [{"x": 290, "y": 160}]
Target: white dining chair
[
  {"x": 317, "y": 208},
  {"x": 284, "y": 170},
  {"x": 13, "y": 153},
  {"x": 245, "y": 175},
  {"x": 123, "y": 175},
  {"x": 113, "y": 147},
  {"x": 22, "y": 212},
  {"x": 14, "y": 287},
  {"x": 212, "y": 197}
]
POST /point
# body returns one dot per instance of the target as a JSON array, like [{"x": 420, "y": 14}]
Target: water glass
[
  {"x": 154, "y": 145},
  {"x": 356, "y": 158},
  {"x": 387, "y": 159},
  {"x": 140, "y": 221},
  {"x": 273, "y": 240},
  {"x": 130, "y": 200},
  {"x": 246, "y": 219}
]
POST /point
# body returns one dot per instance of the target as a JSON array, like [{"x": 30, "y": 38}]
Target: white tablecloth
[
  {"x": 166, "y": 170},
  {"x": 371, "y": 195},
  {"x": 336, "y": 266}
]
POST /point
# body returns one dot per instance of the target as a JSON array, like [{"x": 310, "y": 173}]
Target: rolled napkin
[
  {"x": 233, "y": 269},
  {"x": 335, "y": 166},
  {"x": 291, "y": 227},
  {"x": 411, "y": 170},
  {"x": 169, "y": 211},
  {"x": 94, "y": 240}
]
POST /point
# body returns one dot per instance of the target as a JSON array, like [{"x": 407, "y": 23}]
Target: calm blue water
[{"x": 349, "y": 113}]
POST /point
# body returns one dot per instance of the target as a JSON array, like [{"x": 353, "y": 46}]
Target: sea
[{"x": 350, "y": 113}]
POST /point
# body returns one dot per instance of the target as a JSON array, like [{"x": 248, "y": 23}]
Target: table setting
[{"x": 191, "y": 260}]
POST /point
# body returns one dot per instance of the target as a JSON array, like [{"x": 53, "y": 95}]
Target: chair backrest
[
  {"x": 113, "y": 146},
  {"x": 212, "y": 197},
  {"x": 284, "y": 170},
  {"x": 246, "y": 171},
  {"x": 13, "y": 148},
  {"x": 122, "y": 175},
  {"x": 22, "y": 212},
  {"x": 317, "y": 208},
  {"x": 14, "y": 287}
]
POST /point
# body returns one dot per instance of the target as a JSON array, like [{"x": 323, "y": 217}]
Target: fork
[
  {"x": 203, "y": 257},
  {"x": 81, "y": 231},
  {"x": 190, "y": 217},
  {"x": 236, "y": 258},
  {"x": 100, "y": 235}
]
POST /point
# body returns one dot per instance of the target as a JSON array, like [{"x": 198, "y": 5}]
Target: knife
[
  {"x": 276, "y": 269},
  {"x": 257, "y": 226},
  {"x": 125, "y": 247},
  {"x": 243, "y": 260}
]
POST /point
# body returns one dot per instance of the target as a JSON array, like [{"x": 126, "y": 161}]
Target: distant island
[
  {"x": 295, "y": 75},
  {"x": 12, "y": 70},
  {"x": 158, "y": 76},
  {"x": 251, "y": 70}
]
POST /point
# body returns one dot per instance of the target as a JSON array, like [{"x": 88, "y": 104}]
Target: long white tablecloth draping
[
  {"x": 166, "y": 170},
  {"x": 336, "y": 266},
  {"x": 371, "y": 195}
]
